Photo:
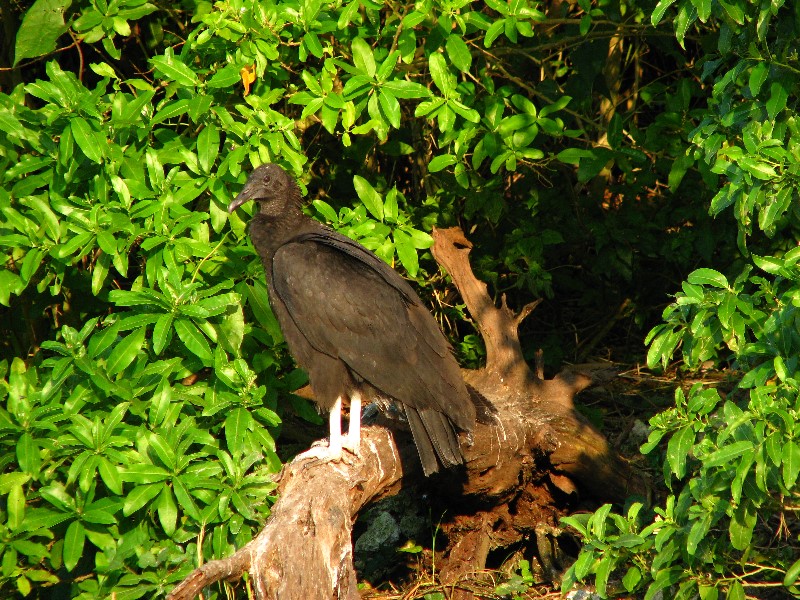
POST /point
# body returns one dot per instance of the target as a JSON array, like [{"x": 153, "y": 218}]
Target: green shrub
[
  {"x": 144, "y": 377},
  {"x": 729, "y": 523}
]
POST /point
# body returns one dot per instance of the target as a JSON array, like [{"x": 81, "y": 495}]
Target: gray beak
[
  {"x": 244, "y": 196},
  {"x": 237, "y": 202}
]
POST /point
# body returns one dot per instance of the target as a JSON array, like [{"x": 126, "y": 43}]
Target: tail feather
[{"x": 435, "y": 439}]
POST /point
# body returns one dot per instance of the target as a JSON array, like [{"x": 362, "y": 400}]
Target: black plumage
[{"x": 355, "y": 325}]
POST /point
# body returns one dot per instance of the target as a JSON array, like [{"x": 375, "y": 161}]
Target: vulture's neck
[{"x": 278, "y": 222}]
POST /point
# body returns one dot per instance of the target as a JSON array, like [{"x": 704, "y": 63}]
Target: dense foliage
[
  {"x": 144, "y": 379},
  {"x": 729, "y": 526}
]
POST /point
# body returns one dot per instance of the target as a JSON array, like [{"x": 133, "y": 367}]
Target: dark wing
[{"x": 350, "y": 305}]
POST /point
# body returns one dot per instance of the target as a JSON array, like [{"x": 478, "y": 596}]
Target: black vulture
[{"x": 355, "y": 325}]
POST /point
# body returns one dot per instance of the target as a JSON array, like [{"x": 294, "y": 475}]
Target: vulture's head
[{"x": 269, "y": 185}]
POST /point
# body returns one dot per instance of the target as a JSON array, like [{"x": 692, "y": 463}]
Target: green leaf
[
  {"x": 727, "y": 454},
  {"x": 41, "y": 27},
  {"x": 687, "y": 15},
  {"x": 193, "y": 339},
  {"x": 185, "y": 500},
  {"x": 125, "y": 352},
  {"x": 100, "y": 273},
  {"x": 441, "y": 162},
  {"x": 743, "y": 521},
  {"x": 792, "y": 574},
  {"x": 15, "y": 505},
  {"x": 226, "y": 77},
  {"x": 10, "y": 124},
  {"x": 172, "y": 67},
  {"x": 347, "y": 15},
  {"x": 757, "y": 77},
  {"x": 494, "y": 32},
  {"x": 708, "y": 277},
  {"x": 237, "y": 423},
  {"x": 390, "y": 108},
  {"x": 678, "y": 449},
  {"x": 602, "y": 572},
  {"x": 363, "y": 57},
  {"x": 400, "y": 88},
  {"x": 110, "y": 475},
  {"x": 556, "y": 106},
  {"x": 326, "y": 210},
  {"x": 440, "y": 73},
  {"x": 162, "y": 332},
  {"x": 164, "y": 451},
  {"x": 171, "y": 109},
  {"x": 11, "y": 480},
  {"x": 208, "y": 147},
  {"x": 663, "y": 346},
  {"x": 769, "y": 264},
  {"x": 313, "y": 44},
  {"x": 86, "y": 139},
  {"x": 697, "y": 533},
  {"x": 139, "y": 496},
  {"x": 573, "y": 156},
  {"x": 167, "y": 510},
  {"x": 458, "y": 52},
  {"x": 406, "y": 252},
  {"x": 632, "y": 578},
  {"x": 736, "y": 591},
  {"x": 370, "y": 197},
  {"x": 74, "y": 540},
  {"x": 734, "y": 11},
  {"x": 586, "y": 24},
  {"x": 790, "y": 462},
  {"x": 778, "y": 95}
]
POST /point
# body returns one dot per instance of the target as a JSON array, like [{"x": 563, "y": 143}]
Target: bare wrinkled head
[{"x": 267, "y": 182}]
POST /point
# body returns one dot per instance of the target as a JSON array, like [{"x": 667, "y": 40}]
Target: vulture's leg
[
  {"x": 353, "y": 437},
  {"x": 333, "y": 451},
  {"x": 335, "y": 427}
]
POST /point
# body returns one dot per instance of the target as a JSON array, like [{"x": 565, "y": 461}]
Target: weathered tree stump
[{"x": 528, "y": 443}]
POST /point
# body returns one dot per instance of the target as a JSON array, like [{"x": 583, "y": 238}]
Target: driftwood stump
[{"x": 529, "y": 445}]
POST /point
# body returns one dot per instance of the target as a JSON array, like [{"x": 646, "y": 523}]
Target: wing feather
[{"x": 350, "y": 305}]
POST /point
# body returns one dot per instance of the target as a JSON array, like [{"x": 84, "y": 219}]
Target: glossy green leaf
[
  {"x": 390, "y": 108},
  {"x": 678, "y": 450},
  {"x": 162, "y": 332},
  {"x": 743, "y": 522},
  {"x": 125, "y": 351},
  {"x": 440, "y": 73},
  {"x": 208, "y": 147},
  {"x": 138, "y": 497},
  {"x": 458, "y": 52},
  {"x": 110, "y": 475},
  {"x": 369, "y": 196},
  {"x": 167, "y": 510},
  {"x": 778, "y": 97},
  {"x": 193, "y": 339},
  {"x": 363, "y": 57},
  {"x": 708, "y": 277},
  {"x": 441, "y": 162},
  {"x": 74, "y": 540},
  {"x": 86, "y": 139},
  {"x": 237, "y": 423},
  {"x": 406, "y": 252},
  {"x": 792, "y": 574},
  {"x": 15, "y": 506},
  {"x": 757, "y": 77},
  {"x": 42, "y": 25},
  {"x": 790, "y": 463},
  {"x": 173, "y": 68}
]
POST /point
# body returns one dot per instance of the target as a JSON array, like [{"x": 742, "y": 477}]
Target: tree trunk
[{"x": 529, "y": 446}]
